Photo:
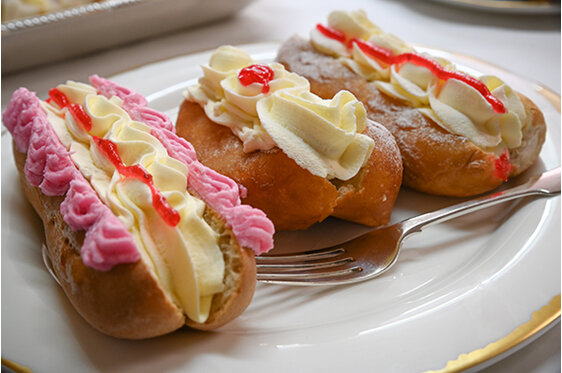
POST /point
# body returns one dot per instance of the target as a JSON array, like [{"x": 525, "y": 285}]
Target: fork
[{"x": 373, "y": 253}]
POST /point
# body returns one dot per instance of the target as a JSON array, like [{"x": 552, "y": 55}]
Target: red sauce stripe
[
  {"x": 80, "y": 115},
  {"x": 387, "y": 57},
  {"x": 257, "y": 73},
  {"x": 503, "y": 166},
  {"x": 161, "y": 205},
  {"x": 109, "y": 150},
  {"x": 331, "y": 33},
  {"x": 58, "y": 97}
]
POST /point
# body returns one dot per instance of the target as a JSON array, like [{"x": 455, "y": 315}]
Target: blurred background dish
[
  {"x": 35, "y": 40},
  {"x": 508, "y": 6},
  {"x": 17, "y": 9}
]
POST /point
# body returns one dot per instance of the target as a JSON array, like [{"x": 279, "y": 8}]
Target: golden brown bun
[
  {"x": 435, "y": 161},
  {"x": 127, "y": 301},
  {"x": 291, "y": 196}
]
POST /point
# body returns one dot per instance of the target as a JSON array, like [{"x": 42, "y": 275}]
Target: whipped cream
[
  {"x": 322, "y": 136},
  {"x": 452, "y": 104},
  {"x": 186, "y": 258},
  {"x": 229, "y": 103},
  {"x": 251, "y": 226},
  {"x": 48, "y": 166}
]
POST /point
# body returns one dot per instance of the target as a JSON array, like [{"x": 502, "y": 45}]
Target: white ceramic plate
[
  {"x": 508, "y": 6},
  {"x": 457, "y": 287}
]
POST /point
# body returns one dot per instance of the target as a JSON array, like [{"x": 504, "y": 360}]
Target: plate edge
[{"x": 540, "y": 320}]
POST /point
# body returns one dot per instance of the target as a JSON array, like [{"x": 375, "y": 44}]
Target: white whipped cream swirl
[
  {"x": 452, "y": 104},
  {"x": 322, "y": 136}
]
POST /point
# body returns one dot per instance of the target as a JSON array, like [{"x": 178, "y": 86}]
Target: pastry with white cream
[
  {"x": 459, "y": 135},
  {"x": 300, "y": 157}
]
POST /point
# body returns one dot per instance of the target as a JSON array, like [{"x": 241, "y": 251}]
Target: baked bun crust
[
  {"x": 291, "y": 196},
  {"x": 127, "y": 301},
  {"x": 435, "y": 161}
]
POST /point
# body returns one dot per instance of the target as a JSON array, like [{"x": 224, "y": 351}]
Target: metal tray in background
[{"x": 47, "y": 38}]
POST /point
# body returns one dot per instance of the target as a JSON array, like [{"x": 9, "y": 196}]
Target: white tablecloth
[{"x": 526, "y": 45}]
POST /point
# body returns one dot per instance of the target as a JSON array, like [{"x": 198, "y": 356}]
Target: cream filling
[
  {"x": 299, "y": 120},
  {"x": 454, "y": 105},
  {"x": 186, "y": 258},
  {"x": 322, "y": 136}
]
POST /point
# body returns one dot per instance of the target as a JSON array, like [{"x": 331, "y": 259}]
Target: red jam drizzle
[
  {"x": 58, "y": 97},
  {"x": 386, "y": 57},
  {"x": 261, "y": 74},
  {"x": 331, "y": 33},
  {"x": 503, "y": 166},
  {"x": 77, "y": 111},
  {"x": 109, "y": 150}
]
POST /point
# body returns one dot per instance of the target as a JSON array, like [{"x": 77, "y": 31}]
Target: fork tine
[
  {"x": 311, "y": 255},
  {"x": 303, "y": 278},
  {"x": 303, "y": 266},
  {"x": 48, "y": 263}
]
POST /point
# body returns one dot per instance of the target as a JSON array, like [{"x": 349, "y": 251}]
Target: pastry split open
[{"x": 143, "y": 238}]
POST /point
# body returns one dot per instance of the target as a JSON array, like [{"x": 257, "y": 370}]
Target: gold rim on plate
[
  {"x": 533, "y": 5},
  {"x": 14, "y": 367},
  {"x": 540, "y": 319}
]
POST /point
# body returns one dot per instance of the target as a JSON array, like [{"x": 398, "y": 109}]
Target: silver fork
[{"x": 373, "y": 253}]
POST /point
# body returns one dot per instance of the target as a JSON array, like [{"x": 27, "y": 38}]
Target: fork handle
[{"x": 546, "y": 184}]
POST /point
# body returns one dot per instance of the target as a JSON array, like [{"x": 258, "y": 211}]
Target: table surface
[{"x": 528, "y": 45}]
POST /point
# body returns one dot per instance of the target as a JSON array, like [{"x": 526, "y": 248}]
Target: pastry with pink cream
[{"x": 142, "y": 237}]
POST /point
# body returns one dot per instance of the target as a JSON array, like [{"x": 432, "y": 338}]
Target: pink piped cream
[
  {"x": 250, "y": 226},
  {"x": 49, "y": 167},
  {"x": 64, "y": 157}
]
